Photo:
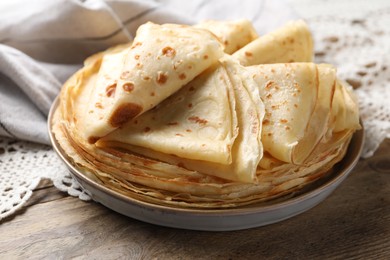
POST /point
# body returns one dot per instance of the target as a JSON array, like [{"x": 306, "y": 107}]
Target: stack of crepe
[{"x": 206, "y": 116}]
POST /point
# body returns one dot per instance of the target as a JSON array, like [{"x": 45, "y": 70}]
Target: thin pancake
[
  {"x": 198, "y": 122},
  {"x": 291, "y": 43},
  {"x": 161, "y": 60},
  {"x": 233, "y": 34}
]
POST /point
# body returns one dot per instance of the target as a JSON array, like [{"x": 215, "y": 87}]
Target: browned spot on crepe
[
  {"x": 93, "y": 139},
  {"x": 135, "y": 45},
  {"x": 169, "y": 52},
  {"x": 128, "y": 87},
  {"x": 198, "y": 120},
  {"x": 124, "y": 113},
  {"x": 110, "y": 90},
  {"x": 162, "y": 77},
  {"x": 182, "y": 76}
]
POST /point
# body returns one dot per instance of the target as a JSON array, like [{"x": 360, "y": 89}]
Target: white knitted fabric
[{"x": 352, "y": 35}]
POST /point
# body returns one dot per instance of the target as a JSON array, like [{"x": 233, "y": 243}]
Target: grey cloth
[{"x": 43, "y": 42}]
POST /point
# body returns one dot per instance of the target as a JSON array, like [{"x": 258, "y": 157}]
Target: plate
[{"x": 216, "y": 219}]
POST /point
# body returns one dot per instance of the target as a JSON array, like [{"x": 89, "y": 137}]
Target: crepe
[
  {"x": 211, "y": 125},
  {"x": 231, "y": 136},
  {"x": 345, "y": 110},
  {"x": 232, "y": 34},
  {"x": 161, "y": 60},
  {"x": 198, "y": 122},
  {"x": 297, "y": 99},
  {"x": 290, "y": 43}
]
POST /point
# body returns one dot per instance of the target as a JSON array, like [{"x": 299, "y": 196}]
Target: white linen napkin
[{"x": 42, "y": 42}]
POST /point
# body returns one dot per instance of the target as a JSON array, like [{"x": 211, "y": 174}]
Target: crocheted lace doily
[
  {"x": 22, "y": 166},
  {"x": 354, "y": 36}
]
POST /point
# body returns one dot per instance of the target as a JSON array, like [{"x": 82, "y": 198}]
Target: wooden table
[{"x": 354, "y": 222}]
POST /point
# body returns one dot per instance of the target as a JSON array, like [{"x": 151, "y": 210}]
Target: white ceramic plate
[{"x": 217, "y": 219}]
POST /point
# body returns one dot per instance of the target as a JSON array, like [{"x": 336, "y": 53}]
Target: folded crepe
[
  {"x": 198, "y": 122},
  {"x": 290, "y": 43},
  {"x": 229, "y": 137},
  {"x": 345, "y": 111},
  {"x": 232, "y": 34},
  {"x": 161, "y": 60},
  {"x": 297, "y": 99}
]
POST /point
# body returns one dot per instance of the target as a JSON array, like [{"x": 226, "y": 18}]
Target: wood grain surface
[{"x": 354, "y": 222}]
